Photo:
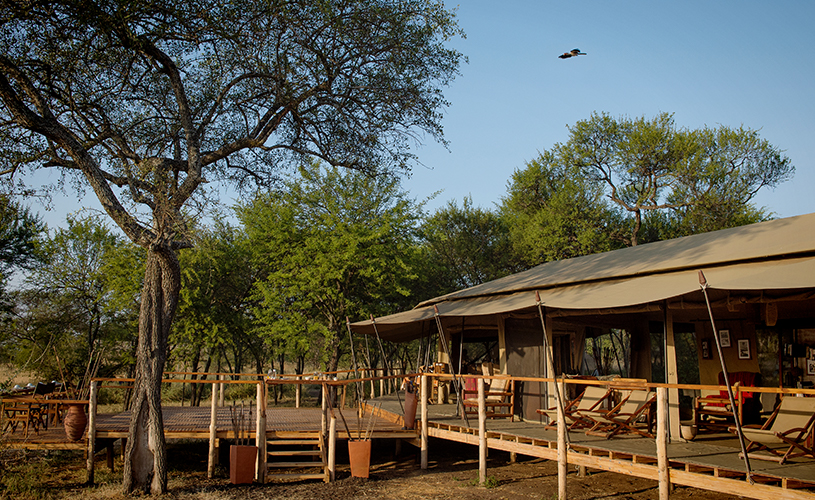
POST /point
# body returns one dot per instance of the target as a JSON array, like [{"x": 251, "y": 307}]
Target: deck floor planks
[
  {"x": 715, "y": 454},
  {"x": 186, "y": 422}
]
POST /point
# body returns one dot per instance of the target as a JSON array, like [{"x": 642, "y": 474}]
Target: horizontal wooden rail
[{"x": 307, "y": 379}]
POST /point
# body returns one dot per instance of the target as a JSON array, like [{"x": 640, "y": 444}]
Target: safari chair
[
  {"x": 24, "y": 414},
  {"x": 788, "y": 429},
  {"x": 625, "y": 418},
  {"x": 499, "y": 396},
  {"x": 590, "y": 399}
]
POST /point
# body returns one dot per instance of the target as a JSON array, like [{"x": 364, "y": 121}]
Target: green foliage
[
  {"x": 20, "y": 235},
  {"x": 331, "y": 245},
  {"x": 621, "y": 182},
  {"x": 66, "y": 309},
  {"x": 217, "y": 276},
  {"x": 461, "y": 247},
  {"x": 490, "y": 482},
  {"x": 555, "y": 213},
  {"x": 703, "y": 179}
]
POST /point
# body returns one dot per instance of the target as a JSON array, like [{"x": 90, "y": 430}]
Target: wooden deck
[
  {"x": 193, "y": 423},
  {"x": 708, "y": 462}
]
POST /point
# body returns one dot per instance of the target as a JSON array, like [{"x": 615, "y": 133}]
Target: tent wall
[
  {"x": 524, "y": 357},
  {"x": 641, "y": 350},
  {"x": 709, "y": 368}
]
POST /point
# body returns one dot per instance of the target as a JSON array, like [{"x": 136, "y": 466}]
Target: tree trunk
[{"x": 145, "y": 467}]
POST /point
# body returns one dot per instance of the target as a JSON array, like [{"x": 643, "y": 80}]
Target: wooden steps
[{"x": 296, "y": 458}]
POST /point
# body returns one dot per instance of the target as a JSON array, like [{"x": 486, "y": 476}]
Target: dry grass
[
  {"x": 452, "y": 475},
  {"x": 9, "y": 375}
]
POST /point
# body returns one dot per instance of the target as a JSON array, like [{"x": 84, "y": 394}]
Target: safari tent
[{"x": 760, "y": 283}]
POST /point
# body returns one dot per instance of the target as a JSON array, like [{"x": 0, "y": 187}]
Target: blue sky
[
  {"x": 710, "y": 63},
  {"x": 729, "y": 63}
]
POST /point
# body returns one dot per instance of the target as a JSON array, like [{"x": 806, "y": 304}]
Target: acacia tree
[
  {"x": 462, "y": 247},
  {"x": 658, "y": 180},
  {"x": 20, "y": 235},
  {"x": 144, "y": 102},
  {"x": 217, "y": 277},
  {"x": 63, "y": 314},
  {"x": 554, "y": 212},
  {"x": 331, "y": 245}
]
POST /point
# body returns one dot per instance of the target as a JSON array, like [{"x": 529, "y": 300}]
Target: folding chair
[
  {"x": 589, "y": 400},
  {"x": 625, "y": 418},
  {"x": 788, "y": 428},
  {"x": 22, "y": 413}
]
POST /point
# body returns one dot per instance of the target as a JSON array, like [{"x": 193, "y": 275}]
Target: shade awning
[{"x": 785, "y": 274}]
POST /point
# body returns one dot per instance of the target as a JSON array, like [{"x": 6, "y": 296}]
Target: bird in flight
[{"x": 573, "y": 53}]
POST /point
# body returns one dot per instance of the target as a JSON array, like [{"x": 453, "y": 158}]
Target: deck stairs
[{"x": 296, "y": 457}]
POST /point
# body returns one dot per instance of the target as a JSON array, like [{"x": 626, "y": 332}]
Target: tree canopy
[
  {"x": 553, "y": 212},
  {"x": 331, "y": 245},
  {"x": 146, "y": 102},
  {"x": 21, "y": 232},
  {"x": 462, "y": 247},
  {"x": 622, "y": 181}
]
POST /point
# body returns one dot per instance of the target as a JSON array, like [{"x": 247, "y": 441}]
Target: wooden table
[{"x": 33, "y": 412}]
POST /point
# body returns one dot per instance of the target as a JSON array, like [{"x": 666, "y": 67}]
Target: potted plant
[{"x": 242, "y": 456}]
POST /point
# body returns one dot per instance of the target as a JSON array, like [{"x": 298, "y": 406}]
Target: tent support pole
[
  {"x": 357, "y": 384},
  {"x": 385, "y": 362},
  {"x": 551, "y": 362},
  {"x": 736, "y": 418},
  {"x": 459, "y": 402}
]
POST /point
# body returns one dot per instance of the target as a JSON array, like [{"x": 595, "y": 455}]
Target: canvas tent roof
[{"x": 773, "y": 255}]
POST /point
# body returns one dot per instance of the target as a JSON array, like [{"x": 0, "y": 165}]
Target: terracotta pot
[
  {"x": 411, "y": 402},
  {"x": 75, "y": 422},
  {"x": 242, "y": 461},
  {"x": 359, "y": 454}
]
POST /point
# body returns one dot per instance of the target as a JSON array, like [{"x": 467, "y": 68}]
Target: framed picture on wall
[
  {"x": 724, "y": 338},
  {"x": 705, "y": 349},
  {"x": 811, "y": 367},
  {"x": 744, "y": 348}
]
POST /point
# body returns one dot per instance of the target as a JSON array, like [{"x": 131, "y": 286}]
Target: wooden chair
[
  {"x": 714, "y": 412},
  {"x": 788, "y": 429},
  {"x": 22, "y": 413},
  {"x": 590, "y": 399},
  {"x": 625, "y": 418},
  {"x": 499, "y": 396}
]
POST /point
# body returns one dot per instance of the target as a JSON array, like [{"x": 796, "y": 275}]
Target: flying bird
[{"x": 573, "y": 53}]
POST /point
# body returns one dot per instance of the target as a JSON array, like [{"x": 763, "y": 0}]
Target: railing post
[
  {"x": 332, "y": 449},
  {"x": 260, "y": 433},
  {"x": 324, "y": 413},
  {"x": 92, "y": 399},
  {"x": 424, "y": 382},
  {"x": 482, "y": 433},
  {"x": 662, "y": 444},
  {"x": 562, "y": 448},
  {"x": 213, "y": 418},
  {"x": 298, "y": 390},
  {"x": 222, "y": 392}
]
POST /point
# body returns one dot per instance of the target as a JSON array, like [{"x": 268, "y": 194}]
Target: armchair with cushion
[
  {"x": 714, "y": 411},
  {"x": 499, "y": 395}
]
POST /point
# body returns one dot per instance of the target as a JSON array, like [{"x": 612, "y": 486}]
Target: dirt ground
[{"x": 452, "y": 474}]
